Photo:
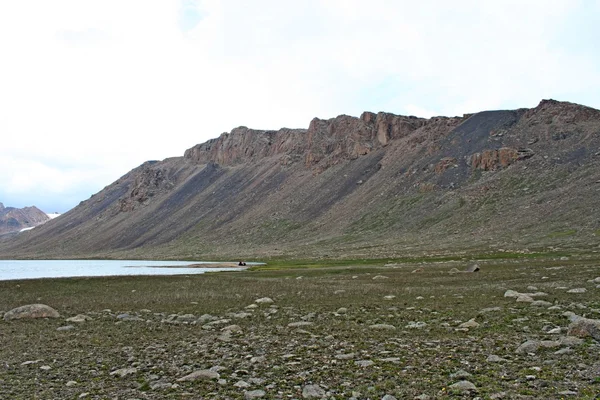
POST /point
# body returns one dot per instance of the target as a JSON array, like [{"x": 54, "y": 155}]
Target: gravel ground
[{"x": 401, "y": 331}]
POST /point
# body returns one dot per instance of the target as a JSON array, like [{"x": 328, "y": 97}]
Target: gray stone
[
  {"x": 364, "y": 363},
  {"x": 524, "y": 298},
  {"x": 79, "y": 318},
  {"x": 200, "y": 374},
  {"x": 31, "y": 311},
  {"x": 383, "y": 327},
  {"x": 254, "y": 394},
  {"x": 540, "y": 303},
  {"x": 463, "y": 385},
  {"x": 65, "y": 328},
  {"x": 460, "y": 374},
  {"x": 347, "y": 356},
  {"x": 577, "y": 290},
  {"x": 313, "y": 392},
  {"x": 495, "y": 358},
  {"x": 123, "y": 372},
  {"x": 584, "y": 327},
  {"x": 264, "y": 300},
  {"x": 469, "y": 324},
  {"x": 388, "y": 397},
  {"x": 416, "y": 325},
  {"x": 530, "y": 346},
  {"x": 299, "y": 324},
  {"x": 511, "y": 293}
]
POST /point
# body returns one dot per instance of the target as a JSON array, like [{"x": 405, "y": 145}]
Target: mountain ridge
[
  {"x": 14, "y": 220},
  {"x": 378, "y": 185}
]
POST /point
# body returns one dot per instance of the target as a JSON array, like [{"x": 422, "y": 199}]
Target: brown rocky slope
[
  {"x": 13, "y": 220},
  {"x": 380, "y": 185}
]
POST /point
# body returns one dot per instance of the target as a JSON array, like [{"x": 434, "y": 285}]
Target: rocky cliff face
[
  {"x": 16, "y": 219},
  {"x": 378, "y": 185}
]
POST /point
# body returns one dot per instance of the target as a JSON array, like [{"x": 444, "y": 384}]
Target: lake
[{"x": 32, "y": 269}]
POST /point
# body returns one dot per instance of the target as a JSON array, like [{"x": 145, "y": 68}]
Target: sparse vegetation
[{"x": 336, "y": 304}]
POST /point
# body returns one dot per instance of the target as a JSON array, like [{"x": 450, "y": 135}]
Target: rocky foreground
[{"x": 513, "y": 330}]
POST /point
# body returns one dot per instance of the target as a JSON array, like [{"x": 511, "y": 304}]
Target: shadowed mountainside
[{"x": 380, "y": 185}]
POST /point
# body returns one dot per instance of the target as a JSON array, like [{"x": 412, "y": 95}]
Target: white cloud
[{"x": 98, "y": 87}]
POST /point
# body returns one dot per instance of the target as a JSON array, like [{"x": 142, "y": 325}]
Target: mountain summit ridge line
[{"x": 378, "y": 185}]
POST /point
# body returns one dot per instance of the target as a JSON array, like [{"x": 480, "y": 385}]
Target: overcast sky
[{"x": 91, "y": 89}]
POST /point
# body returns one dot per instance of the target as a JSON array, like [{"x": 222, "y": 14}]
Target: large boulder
[
  {"x": 31, "y": 311},
  {"x": 585, "y": 327}
]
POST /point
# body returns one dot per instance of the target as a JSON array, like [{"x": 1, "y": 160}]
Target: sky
[{"x": 91, "y": 89}]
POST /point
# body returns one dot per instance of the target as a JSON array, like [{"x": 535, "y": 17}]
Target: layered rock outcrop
[{"x": 360, "y": 186}]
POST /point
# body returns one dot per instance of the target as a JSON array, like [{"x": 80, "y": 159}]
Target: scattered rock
[
  {"x": 200, "y": 374},
  {"x": 364, "y": 363},
  {"x": 254, "y": 394},
  {"x": 299, "y": 324},
  {"x": 388, "y": 397},
  {"x": 473, "y": 268},
  {"x": 313, "y": 392},
  {"x": 264, "y": 300},
  {"x": 382, "y": 327},
  {"x": 577, "y": 290},
  {"x": 494, "y": 358},
  {"x": 416, "y": 325},
  {"x": 469, "y": 324},
  {"x": 460, "y": 374},
  {"x": 30, "y": 311},
  {"x": 378, "y": 277},
  {"x": 490, "y": 309},
  {"x": 463, "y": 385},
  {"x": 540, "y": 303},
  {"x": 79, "y": 318},
  {"x": 585, "y": 327},
  {"x": 123, "y": 372},
  {"x": 65, "y": 328},
  {"x": 511, "y": 293},
  {"x": 524, "y": 298}
]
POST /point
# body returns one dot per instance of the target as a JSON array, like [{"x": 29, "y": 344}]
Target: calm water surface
[{"x": 31, "y": 269}]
